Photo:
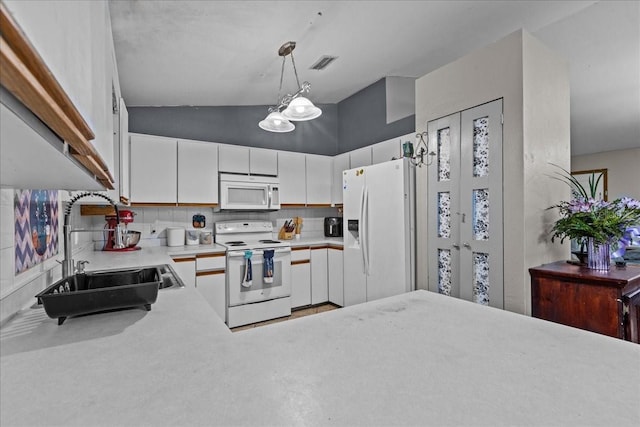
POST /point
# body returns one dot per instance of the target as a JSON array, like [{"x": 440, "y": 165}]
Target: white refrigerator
[{"x": 379, "y": 231}]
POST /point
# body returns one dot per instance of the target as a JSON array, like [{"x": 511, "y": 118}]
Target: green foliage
[{"x": 584, "y": 217}]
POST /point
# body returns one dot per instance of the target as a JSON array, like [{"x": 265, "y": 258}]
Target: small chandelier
[{"x": 291, "y": 107}]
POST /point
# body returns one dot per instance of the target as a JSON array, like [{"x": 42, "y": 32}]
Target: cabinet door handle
[
  {"x": 456, "y": 246},
  {"x": 466, "y": 245}
]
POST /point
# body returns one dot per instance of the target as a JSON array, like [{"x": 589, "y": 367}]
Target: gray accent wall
[
  {"x": 237, "y": 125},
  {"x": 363, "y": 119},
  {"x": 355, "y": 122}
]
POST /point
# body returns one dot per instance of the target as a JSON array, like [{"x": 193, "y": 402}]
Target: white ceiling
[{"x": 225, "y": 52}]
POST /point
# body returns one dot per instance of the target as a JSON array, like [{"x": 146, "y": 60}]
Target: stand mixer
[{"x": 129, "y": 238}]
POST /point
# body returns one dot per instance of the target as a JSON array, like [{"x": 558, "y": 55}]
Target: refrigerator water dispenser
[{"x": 352, "y": 240}]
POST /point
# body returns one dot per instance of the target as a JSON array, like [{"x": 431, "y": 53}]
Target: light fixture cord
[
  {"x": 281, "y": 77},
  {"x": 295, "y": 71}
]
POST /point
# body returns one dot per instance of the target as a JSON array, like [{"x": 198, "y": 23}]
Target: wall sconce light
[{"x": 422, "y": 149}]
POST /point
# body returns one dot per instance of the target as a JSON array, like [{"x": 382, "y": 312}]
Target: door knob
[
  {"x": 456, "y": 246},
  {"x": 466, "y": 245}
]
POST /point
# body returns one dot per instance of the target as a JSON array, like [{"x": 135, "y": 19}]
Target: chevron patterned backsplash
[{"x": 36, "y": 227}]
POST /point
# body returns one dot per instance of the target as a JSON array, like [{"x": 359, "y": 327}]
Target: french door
[{"x": 465, "y": 229}]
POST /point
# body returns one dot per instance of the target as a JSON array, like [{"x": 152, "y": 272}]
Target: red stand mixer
[{"x": 129, "y": 238}]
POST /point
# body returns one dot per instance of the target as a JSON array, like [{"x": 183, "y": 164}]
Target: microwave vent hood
[{"x": 248, "y": 193}]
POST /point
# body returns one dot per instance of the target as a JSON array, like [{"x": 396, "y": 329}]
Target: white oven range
[{"x": 267, "y": 295}]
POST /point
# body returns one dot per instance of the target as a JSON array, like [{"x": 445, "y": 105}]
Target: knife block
[{"x": 285, "y": 235}]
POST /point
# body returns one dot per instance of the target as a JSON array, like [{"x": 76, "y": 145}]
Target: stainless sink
[
  {"x": 170, "y": 278},
  {"x": 95, "y": 291}
]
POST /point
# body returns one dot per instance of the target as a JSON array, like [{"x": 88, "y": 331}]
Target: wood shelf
[{"x": 27, "y": 77}]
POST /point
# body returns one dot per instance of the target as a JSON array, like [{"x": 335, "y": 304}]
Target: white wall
[
  {"x": 623, "y": 170},
  {"x": 534, "y": 85}
]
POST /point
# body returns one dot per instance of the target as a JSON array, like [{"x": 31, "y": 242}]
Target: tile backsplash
[{"x": 152, "y": 222}]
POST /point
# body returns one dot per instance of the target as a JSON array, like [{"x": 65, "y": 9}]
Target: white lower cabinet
[
  {"x": 319, "y": 275},
  {"x": 300, "y": 284},
  {"x": 211, "y": 285},
  {"x": 211, "y": 280},
  {"x": 185, "y": 267},
  {"x": 300, "y": 277},
  {"x": 336, "y": 277}
]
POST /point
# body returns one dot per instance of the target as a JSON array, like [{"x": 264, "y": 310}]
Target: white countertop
[
  {"x": 316, "y": 240},
  {"x": 413, "y": 359}
]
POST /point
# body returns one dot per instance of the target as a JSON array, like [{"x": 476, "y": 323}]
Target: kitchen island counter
[{"x": 414, "y": 359}]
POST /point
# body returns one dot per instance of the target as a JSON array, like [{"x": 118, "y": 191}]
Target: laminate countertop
[{"x": 413, "y": 359}]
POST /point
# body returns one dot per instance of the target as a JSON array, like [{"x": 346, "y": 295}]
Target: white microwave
[{"x": 249, "y": 192}]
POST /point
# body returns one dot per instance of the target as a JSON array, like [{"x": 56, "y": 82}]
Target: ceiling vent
[{"x": 323, "y": 62}]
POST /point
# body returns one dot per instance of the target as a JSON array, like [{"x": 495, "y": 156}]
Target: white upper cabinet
[
  {"x": 233, "y": 158},
  {"x": 360, "y": 157},
  {"x": 386, "y": 150},
  {"x": 340, "y": 163},
  {"x": 75, "y": 42},
  {"x": 292, "y": 175},
  {"x": 197, "y": 172},
  {"x": 319, "y": 179},
  {"x": 263, "y": 161},
  {"x": 154, "y": 169}
]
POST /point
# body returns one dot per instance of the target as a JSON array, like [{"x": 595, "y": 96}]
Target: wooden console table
[{"x": 604, "y": 302}]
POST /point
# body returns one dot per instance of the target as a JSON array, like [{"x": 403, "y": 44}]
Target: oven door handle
[{"x": 237, "y": 254}]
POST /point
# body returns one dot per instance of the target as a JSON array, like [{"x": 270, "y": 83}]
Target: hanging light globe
[
  {"x": 301, "y": 109},
  {"x": 275, "y": 122}
]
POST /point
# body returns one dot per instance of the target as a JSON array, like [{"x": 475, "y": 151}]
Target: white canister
[
  {"x": 206, "y": 238},
  {"x": 175, "y": 236},
  {"x": 193, "y": 237}
]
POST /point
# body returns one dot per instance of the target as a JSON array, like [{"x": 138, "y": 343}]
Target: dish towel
[
  {"x": 267, "y": 266},
  {"x": 248, "y": 276}
]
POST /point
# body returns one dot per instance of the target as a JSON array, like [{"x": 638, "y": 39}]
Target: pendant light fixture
[{"x": 293, "y": 107}]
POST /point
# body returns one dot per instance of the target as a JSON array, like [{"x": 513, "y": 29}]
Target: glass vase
[{"x": 599, "y": 255}]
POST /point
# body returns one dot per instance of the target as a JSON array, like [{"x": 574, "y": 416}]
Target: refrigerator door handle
[
  {"x": 361, "y": 230},
  {"x": 365, "y": 230}
]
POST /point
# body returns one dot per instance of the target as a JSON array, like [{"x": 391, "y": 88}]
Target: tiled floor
[{"x": 294, "y": 314}]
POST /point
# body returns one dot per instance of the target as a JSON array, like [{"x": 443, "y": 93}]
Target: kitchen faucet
[{"x": 67, "y": 264}]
